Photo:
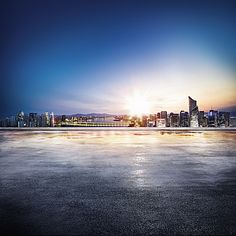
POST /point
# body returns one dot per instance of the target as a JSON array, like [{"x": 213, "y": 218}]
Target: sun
[{"x": 138, "y": 104}]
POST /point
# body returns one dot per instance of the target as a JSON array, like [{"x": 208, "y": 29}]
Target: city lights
[{"x": 139, "y": 116}]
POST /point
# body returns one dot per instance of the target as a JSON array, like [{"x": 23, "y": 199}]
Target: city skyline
[
  {"x": 131, "y": 112},
  {"x": 74, "y": 56},
  {"x": 193, "y": 118}
]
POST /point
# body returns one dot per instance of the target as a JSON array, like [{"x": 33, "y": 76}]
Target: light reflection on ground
[{"x": 118, "y": 182}]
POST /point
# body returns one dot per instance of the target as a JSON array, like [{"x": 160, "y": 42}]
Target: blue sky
[{"x": 90, "y": 56}]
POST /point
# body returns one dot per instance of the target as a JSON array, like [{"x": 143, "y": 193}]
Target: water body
[{"x": 113, "y": 182}]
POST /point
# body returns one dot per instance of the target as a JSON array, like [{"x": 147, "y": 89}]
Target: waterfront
[{"x": 114, "y": 181}]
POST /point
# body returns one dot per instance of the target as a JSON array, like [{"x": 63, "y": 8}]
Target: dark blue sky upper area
[{"x": 50, "y": 49}]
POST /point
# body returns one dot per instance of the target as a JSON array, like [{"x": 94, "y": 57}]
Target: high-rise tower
[{"x": 193, "y": 113}]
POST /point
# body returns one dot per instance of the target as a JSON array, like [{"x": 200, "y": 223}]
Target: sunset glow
[{"x": 138, "y": 104}]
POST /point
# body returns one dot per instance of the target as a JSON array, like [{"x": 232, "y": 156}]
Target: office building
[
  {"x": 193, "y": 113},
  {"x": 202, "y": 119},
  {"x": 174, "y": 120},
  {"x": 52, "y": 120},
  {"x": 45, "y": 119},
  {"x": 164, "y": 116},
  {"x": 212, "y": 118},
  {"x": 224, "y": 119},
  {"x": 183, "y": 119},
  {"x": 33, "y": 120},
  {"x": 20, "y": 119}
]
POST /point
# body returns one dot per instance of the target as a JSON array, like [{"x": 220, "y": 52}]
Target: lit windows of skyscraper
[
  {"x": 45, "y": 120},
  {"x": 52, "y": 119},
  {"x": 20, "y": 119},
  {"x": 183, "y": 119},
  {"x": 202, "y": 119},
  {"x": 213, "y": 118},
  {"x": 193, "y": 113},
  {"x": 32, "y": 119},
  {"x": 224, "y": 119}
]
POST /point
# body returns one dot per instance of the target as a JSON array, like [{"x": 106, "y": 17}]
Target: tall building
[
  {"x": 32, "y": 119},
  {"x": 202, "y": 119},
  {"x": 183, "y": 119},
  {"x": 52, "y": 121},
  {"x": 174, "y": 120},
  {"x": 20, "y": 119},
  {"x": 163, "y": 115},
  {"x": 193, "y": 113},
  {"x": 212, "y": 118},
  {"x": 45, "y": 120},
  {"x": 224, "y": 119}
]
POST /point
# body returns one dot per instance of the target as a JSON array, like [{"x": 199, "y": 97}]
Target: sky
[{"x": 94, "y": 56}]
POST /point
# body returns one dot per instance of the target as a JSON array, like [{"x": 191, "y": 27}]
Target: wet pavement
[{"x": 113, "y": 182}]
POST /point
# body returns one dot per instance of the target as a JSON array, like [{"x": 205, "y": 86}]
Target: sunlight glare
[{"x": 138, "y": 104}]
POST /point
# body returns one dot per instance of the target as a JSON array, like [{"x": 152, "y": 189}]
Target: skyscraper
[
  {"x": 174, "y": 120},
  {"x": 193, "y": 113},
  {"x": 183, "y": 119},
  {"x": 20, "y": 119},
  {"x": 52, "y": 119},
  {"x": 224, "y": 118},
  {"x": 32, "y": 119},
  {"x": 163, "y": 115},
  {"x": 45, "y": 120},
  {"x": 202, "y": 119},
  {"x": 212, "y": 118}
]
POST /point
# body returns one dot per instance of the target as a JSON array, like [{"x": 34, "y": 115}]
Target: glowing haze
[{"x": 132, "y": 57}]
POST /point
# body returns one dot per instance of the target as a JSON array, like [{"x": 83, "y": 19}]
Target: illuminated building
[
  {"x": 183, "y": 119},
  {"x": 20, "y": 119},
  {"x": 213, "y": 118},
  {"x": 32, "y": 119},
  {"x": 202, "y": 119},
  {"x": 193, "y": 113},
  {"x": 224, "y": 119},
  {"x": 52, "y": 122},
  {"x": 45, "y": 120}
]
